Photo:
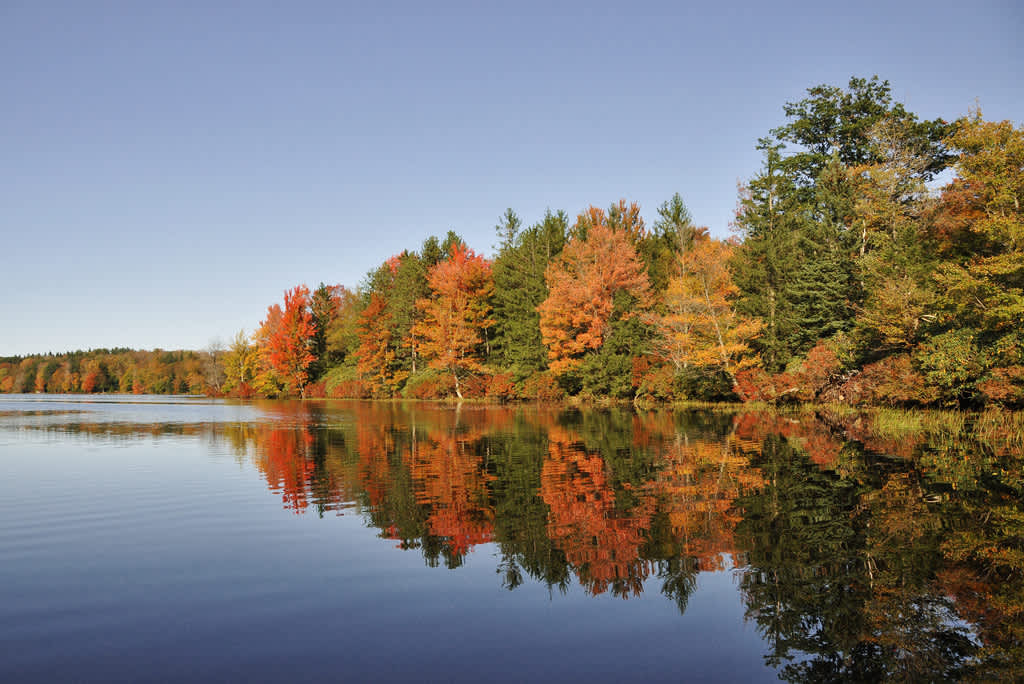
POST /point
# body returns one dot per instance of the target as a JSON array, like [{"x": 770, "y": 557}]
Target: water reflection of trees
[{"x": 865, "y": 549}]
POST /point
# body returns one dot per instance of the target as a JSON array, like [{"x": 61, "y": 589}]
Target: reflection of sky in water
[
  {"x": 155, "y": 558},
  {"x": 137, "y": 535},
  {"x": 128, "y": 408}
]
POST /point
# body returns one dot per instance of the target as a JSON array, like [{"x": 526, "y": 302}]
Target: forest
[{"x": 876, "y": 258}]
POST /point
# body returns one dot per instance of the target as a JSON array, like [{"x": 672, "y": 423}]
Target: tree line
[
  {"x": 850, "y": 277},
  {"x": 115, "y": 370}
]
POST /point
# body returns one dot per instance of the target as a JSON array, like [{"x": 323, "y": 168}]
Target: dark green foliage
[
  {"x": 833, "y": 122},
  {"x": 323, "y": 308},
  {"x": 523, "y": 256},
  {"x": 671, "y": 234},
  {"x": 771, "y": 222},
  {"x": 701, "y": 384},
  {"x": 798, "y": 269},
  {"x": 409, "y": 286},
  {"x": 609, "y": 371},
  {"x": 818, "y": 300}
]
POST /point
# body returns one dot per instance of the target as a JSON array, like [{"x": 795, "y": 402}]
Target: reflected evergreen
[{"x": 867, "y": 547}]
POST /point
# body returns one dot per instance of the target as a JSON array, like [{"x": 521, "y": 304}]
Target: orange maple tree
[
  {"x": 376, "y": 353},
  {"x": 456, "y": 315},
  {"x": 582, "y": 285}
]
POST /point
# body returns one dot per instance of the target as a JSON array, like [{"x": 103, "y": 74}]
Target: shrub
[
  {"x": 429, "y": 384},
  {"x": 893, "y": 381},
  {"x": 502, "y": 386},
  {"x": 542, "y": 386},
  {"x": 343, "y": 382},
  {"x": 757, "y": 385}
]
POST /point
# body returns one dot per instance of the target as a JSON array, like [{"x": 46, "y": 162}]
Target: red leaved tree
[{"x": 286, "y": 338}]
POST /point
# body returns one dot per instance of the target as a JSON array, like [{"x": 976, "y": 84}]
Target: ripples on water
[{"x": 174, "y": 538}]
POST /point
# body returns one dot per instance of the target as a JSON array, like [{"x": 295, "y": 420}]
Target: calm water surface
[{"x": 164, "y": 538}]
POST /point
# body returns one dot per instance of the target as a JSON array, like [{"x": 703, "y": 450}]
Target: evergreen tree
[
  {"x": 519, "y": 283},
  {"x": 671, "y": 234},
  {"x": 802, "y": 208},
  {"x": 324, "y": 307},
  {"x": 770, "y": 220}
]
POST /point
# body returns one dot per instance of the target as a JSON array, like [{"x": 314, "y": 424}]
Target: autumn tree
[
  {"x": 456, "y": 314},
  {"x": 701, "y": 326},
  {"x": 598, "y": 278},
  {"x": 285, "y": 338},
  {"x": 387, "y": 353},
  {"x": 982, "y": 292},
  {"x": 240, "y": 363},
  {"x": 896, "y": 254},
  {"x": 342, "y": 333},
  {"x": 375, "y": 353}
]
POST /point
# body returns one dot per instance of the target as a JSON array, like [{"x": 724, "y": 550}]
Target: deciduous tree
[
  {"x": 583, "y": 283},
  {"x": 700, "y": 326},
  {"x": 286, "y": 337},
  {"x": 456, "y": 315}
]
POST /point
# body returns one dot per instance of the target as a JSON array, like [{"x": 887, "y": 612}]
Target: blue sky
[{"x": 169, "y": 169}]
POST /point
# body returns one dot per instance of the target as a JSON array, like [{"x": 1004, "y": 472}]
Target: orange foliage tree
[
  {"x": 456, "y": 315},
  {"x": 583, "y": 283},
  {"x": 700, "y": 326},
  {"x": 285, "y": 338},
  {"x": 375, "y": 353}
]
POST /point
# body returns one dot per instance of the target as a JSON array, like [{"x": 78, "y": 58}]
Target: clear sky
[{"x": 168, "y": 169}]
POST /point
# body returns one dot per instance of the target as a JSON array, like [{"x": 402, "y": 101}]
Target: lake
[{"x": 183, "y": 539}]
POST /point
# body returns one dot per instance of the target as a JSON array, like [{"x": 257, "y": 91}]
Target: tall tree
[
  {"x": 375, "y": 354},
  {"x": 896, "y": 251},
  {"x": 286, "y": 338},
  {"x": 342, "y": 332},
  {"x": 770, "y": 221},
  {"x": 798, "y": 270},
  {"x": 671, "y": 234},
  {"x": 519, "y": 288},
  {"x": 833, "y": 122},
  {"x": 583, "y": 283},
  {"x": 982, "y": 293},
  {"x": 323, "y": 306},
  {"x": 456, "y": 315},
  {"x": 701, "y": 327}
]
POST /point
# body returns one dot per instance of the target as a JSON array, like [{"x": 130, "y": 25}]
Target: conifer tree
[{"x": 523, "y": 257}]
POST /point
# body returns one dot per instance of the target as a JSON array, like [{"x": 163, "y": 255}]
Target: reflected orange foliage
[
  {"x": 600, "y": 542},
  {"x": 285, "y": 464},
  {"x": 821, "y": 445},
  {"x": 697, "y": 487},
  {"x": 450, "y": 481}
]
